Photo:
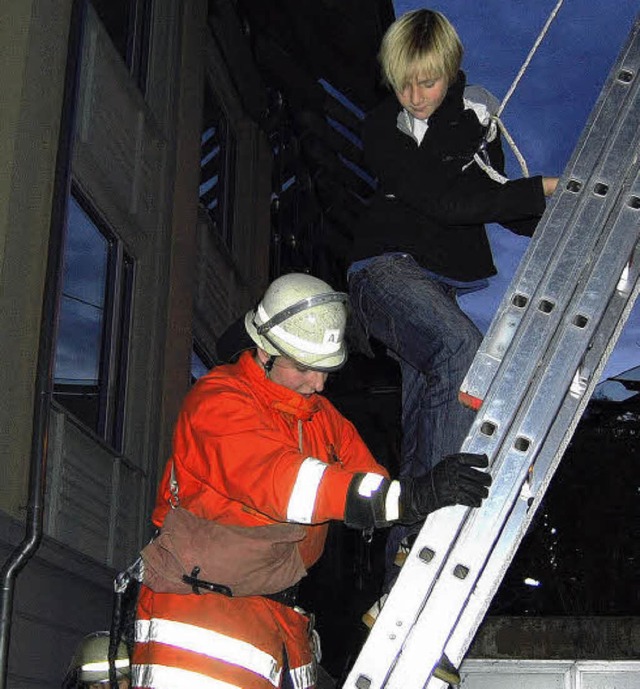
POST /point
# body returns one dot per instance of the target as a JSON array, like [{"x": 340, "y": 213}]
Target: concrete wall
[{"x": 579, "y": 638}]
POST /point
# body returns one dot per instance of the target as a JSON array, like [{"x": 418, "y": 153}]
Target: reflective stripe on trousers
[{"x": 211, "y": 644}]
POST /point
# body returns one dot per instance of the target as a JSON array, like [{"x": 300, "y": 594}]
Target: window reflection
[
  {"x": 93, "y": 327},
  {"x": 217, "y": 160},
  {"x": 83, "y": 301}
]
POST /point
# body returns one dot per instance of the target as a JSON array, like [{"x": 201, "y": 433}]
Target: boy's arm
[{"x": 443, "y": 191}]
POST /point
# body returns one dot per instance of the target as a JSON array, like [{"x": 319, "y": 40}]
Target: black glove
[{"x": 454, "y": 481}]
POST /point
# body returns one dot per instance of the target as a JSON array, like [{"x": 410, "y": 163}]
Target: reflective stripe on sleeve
[
  {"x": 304, "y": 677},
  {"x": 392, "y": 502},
  {"x": 211, "y": 644},
  {"x": 369, "y": 484},
  {"x": 305, "y": 491},
  {"x": 164, "y": 677}
]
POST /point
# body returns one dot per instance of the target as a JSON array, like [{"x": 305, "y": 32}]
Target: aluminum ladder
[{"x": 530, "y": 382}]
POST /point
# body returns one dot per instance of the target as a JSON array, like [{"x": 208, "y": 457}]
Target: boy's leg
[{"x": 418, "y": 319}]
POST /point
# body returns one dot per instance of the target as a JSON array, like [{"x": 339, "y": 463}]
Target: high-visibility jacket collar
[{"x": 279, "y": 397}]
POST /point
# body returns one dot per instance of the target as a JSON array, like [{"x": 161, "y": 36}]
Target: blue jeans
[{"x": 419, "y": 321}]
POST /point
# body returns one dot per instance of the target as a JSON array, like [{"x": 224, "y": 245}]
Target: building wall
[
  {"x": 33, "y": 41},
  {"x": 537, "y": 638},
  {"x": 136, "y": 158}
]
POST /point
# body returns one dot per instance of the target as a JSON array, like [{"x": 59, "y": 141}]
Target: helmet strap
[{"x": 298, "y": 307}]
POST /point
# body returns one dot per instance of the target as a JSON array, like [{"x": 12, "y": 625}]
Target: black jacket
[{"x": 438, "y": 211}]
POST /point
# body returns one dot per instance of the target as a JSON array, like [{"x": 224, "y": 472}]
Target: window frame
[
  {"x": 135, "y": 48},
  {"x": 220, "y": 219},
  {"x": 113, "y": 349}
]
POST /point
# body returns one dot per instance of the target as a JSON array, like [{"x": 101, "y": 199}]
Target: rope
[
  {"x": 539, "y": 40},
  {"x": 512, "y": 144},
  {"x": 516, "y": 81}
]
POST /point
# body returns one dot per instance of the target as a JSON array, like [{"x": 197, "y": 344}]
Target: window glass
[
  {"x": 217, "y": 147},
  {"x": 82, "y": 317},
  {"x": 93, "y": 326}
]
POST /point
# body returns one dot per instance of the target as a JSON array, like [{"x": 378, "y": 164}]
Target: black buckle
[{"x": 197, "y": 584}]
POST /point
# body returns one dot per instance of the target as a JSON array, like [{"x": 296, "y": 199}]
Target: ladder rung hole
[
  {"x": 580, "y": 321},
  {"x": 634, "y": 202},
  {"x": 488, "y": 428},
  {"x": 426, "y": 554},
  {"x": 522, "y": 444},
  {"x": 625, "y": 76},
  {"x": 601, "y": 189},
  {"x": 574, "y": 186},
  {"x": 460, "y": 571},
  {"x": 519, "y": 300},
  {"x": 546, "y": 306}
]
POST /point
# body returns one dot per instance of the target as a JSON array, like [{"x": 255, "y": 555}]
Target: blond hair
[{"x": 421, "y": 43}]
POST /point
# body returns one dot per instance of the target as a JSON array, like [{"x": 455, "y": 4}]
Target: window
[
  {"x": 217, "y": 163},
  {"x": 128, "y": 23},
  {"x": 93, "y": 328}
]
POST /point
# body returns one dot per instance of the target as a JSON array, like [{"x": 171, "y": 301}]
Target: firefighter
[
  {"x": 89, "y": 667},
  {"x": 260, "y": 456}
]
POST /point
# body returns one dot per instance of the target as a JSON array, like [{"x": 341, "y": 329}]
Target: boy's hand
[{"x": 549, "y": 185}]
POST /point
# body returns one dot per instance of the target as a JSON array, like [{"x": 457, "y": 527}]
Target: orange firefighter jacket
[{"x": 246, "y": 452}]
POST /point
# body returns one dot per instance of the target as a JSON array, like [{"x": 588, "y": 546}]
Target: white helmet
[
  {"x": 302, "y": 317},
  {"x": 90, "y": 662}
]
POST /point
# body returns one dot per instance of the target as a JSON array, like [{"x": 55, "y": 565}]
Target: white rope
[
  {"x": 539, "y": 40},
  {"x": 512, "y": 144},
  {"x": 490, "y": 171},
  {"x": 496, "y": 117}
]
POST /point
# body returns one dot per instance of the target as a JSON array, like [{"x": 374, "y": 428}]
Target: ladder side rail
[
  {"x": 387, "y": 637},
  {"x": 549, "y": 287},
  {"x": 617, "y": 101},
  {"x": 546, "y": 464},
  {"x": 422, "y": 568},
  {"x": 429, "y": 552},
  {"x": 480, "y": 532}
]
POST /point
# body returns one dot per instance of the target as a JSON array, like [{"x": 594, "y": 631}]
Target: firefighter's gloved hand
[{"x": 454, "y": 481}]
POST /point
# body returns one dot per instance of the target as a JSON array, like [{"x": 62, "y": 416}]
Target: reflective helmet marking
[
  {"x": 103, "y": 666},
  {"x": 330, "y": 344}
]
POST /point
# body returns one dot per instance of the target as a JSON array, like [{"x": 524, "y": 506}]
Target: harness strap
[{"x": 286, "y": 597}]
